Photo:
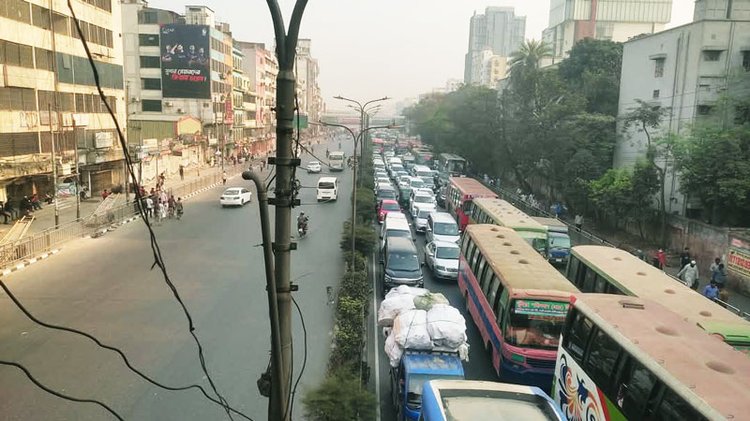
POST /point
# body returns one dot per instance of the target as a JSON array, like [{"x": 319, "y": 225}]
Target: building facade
[
  {"x": 499, "y": 32},
  {"x": 691, "y": 71},
  {"x": 261, "y": 68},
  {"x": 50, "y": 111},
  {"x": 618, "y": 20},
  {"x": 309, "y": 98}
]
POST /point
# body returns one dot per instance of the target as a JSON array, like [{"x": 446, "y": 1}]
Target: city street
[
  {"x": 479, "y": 366},
  {"x": 104, "y": 286}
]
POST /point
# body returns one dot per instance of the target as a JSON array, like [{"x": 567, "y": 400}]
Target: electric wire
[
  {"x": 58, "y": 394},
  {"x": 304, "y": 357},
  {"x": 122, "y": 355},
  {"x": 158, "y": 260}
]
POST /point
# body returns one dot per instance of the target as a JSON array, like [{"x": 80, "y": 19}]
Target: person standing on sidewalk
[
  {"x": 178, "y": 208},
  {"x": 149, "y": 206},
  {"x": 661, "y": 259},
  {"x": 578, "y": 222},
  {"x": 224, "y": 178},
  {"x": 182, "y": 172},
  {"x": 689, "y": 275},
  {"x": 685, "y": 257}
]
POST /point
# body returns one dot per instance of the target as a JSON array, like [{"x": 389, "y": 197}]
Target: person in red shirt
[
  {"x": 661, "y": 257},
  {"x": 105, "y": 193}
]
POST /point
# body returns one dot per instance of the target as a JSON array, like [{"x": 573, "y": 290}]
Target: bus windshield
[{"x": 536, "y": 323}]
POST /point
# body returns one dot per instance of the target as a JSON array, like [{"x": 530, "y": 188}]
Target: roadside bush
[
  {"x": 356, "y": 285},
  {"x": 365, "y": 239},
  {"x": 350, "y": 330},
  {"x": 365, "y": 205},
  {"x": 360, "y": 261},
  {"x": 340, "y": 397}
]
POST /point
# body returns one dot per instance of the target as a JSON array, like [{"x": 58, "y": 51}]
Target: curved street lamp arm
[
  {"x": 343, "y": 98},
  {"x": 278, "y": 28},
  {"x": 354, "y": 137},
  {"x": 294, "y": 25}
]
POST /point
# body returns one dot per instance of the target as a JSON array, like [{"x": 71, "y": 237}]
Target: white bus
[{"x": 336, "y": 161}]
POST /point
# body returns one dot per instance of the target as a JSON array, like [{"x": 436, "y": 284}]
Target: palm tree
[{"x": 529, "y": 55}]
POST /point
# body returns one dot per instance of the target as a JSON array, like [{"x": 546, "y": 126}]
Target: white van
[
  {"x": 328, "y": 189},
  {"x": 336, "y": 161},
  {"x": 442, "y": 227},
  {"x": 395, "y": 227}
]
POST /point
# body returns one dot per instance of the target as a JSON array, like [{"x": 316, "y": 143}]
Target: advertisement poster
[
  {"x": 738, "y": 259},
  {"x": 185, "y": 69}
]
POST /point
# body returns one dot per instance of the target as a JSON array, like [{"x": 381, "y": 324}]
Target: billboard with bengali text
[
  {"x": 738, "y": 259},
  {"x": 185, "y": 71}
]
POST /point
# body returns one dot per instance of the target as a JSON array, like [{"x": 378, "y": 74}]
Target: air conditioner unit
[
  {"x": 167, "y": 103},
  {"x": 180, "y": 111},
  {"x": 134, "y": 99}
]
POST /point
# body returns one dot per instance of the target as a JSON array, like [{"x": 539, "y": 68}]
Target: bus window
[
  {"x": 465, "y": 241},
  {"x": 471, "y": 251},
  {"x": 502, "y": 303},
  {"x": 580, "y": 330},
  {"x": 673, "y": 407},
  {"x": 474, "y": 258},
  {"x": 492, "y": 295},
  {"x": 634, "y": 390},
  {"x": 611, "y": 289},
  {"x": 600, "y": 284},
  {"x": 588, "y": 281},
  {"x": 487, "y": 281},
  {"x": 572, "y": 272},
  {"x": 602, "y": 359}
]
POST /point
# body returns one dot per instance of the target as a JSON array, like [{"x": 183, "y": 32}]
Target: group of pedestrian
[
  {"x": 161, "y": 206},
  {"x": 689, "y": 274}
]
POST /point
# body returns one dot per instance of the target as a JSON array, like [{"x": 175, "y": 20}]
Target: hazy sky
[{"x": 369, "y": 49}]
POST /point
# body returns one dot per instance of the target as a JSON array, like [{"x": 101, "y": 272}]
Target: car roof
[
  {"x": 395, "y": 215},
  {"x": 446, "y": 244},
  {"x": 383, "y": 186},
  {"x": 313, "y": 162},
  {"x": 421, "y": 192},
  {"x": 388, "y": 201},
  {"x": 327, "y": 179},
  {"x": 401, "y": 244},
  {"x": 442, "y": 217},
  {"x": 400, "y": 223}
]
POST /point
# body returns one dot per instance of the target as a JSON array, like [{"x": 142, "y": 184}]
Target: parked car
[
  {"x": 387, "y": 206},
  {"x": 314, "y": 167},
  {"x": 235, "y": 196},
  {"x": 442, "y": 258}
]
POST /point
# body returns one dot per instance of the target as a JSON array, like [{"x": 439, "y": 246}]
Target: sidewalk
[{"x": 45, "y": 218}]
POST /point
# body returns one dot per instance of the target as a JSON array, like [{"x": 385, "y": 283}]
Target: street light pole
[
  {"x": 281, "y": 329},
  {"x": 361, "y": 108}
]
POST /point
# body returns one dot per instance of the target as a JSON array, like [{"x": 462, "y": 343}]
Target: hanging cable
[
  {"x": 304, "y": 357},
  {"x": 58, "y": 394},
  {"x": 122, "y": 355},
  {"x": 158, "y": 260}
]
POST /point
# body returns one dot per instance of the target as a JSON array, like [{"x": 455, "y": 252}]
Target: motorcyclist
[{"x": 302, "y": 220}]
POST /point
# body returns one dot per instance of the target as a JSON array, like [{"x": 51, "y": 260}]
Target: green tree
[
  {"x": 714, "y": 166},
  {"x": 365, "y": 239},
  {"x": 646, "y": 118},
  {"x": 593, "y": 68},
  {"x": 340, "y": 397},
  {"x": 529, "y": 55}
]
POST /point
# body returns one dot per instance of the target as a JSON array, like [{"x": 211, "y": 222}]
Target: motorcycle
[{"x": 302, "y": 228}]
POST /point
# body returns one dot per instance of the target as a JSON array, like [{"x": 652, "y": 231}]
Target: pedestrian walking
[
  {"x": 578, "y": 222},
  {"x": 224, "y": 178},
  {"x": 163, "y": 209},
  {"x": 689, "y": 275},
  {"x": 182, "y": 172},
  {"x": 711, "y": 291},
  {"x": 719, "y": 276},
  {"x": 178, "y": 208},
  {"x": 661, "y": 258},
  {"x": 714, "y": 266},
  {"x": 685, "y": 257},
  {"x": 150, "y": 206}
]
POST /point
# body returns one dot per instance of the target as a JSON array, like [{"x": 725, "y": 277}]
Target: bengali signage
[
  {"x": 541, "y": 308},
  {"x": 185, "y": 53},
  {"x": 738, "y": 259}
]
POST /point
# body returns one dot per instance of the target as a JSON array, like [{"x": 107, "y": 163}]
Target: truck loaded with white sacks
[{"x": 425, "y": 339}]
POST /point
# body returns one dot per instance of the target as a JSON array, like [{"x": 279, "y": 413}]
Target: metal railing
[{"x": 34, "y": 245}]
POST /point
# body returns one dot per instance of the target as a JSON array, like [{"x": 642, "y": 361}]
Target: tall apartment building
[
  {"x": 308, "y": 91},
  {"x": 690, "y": 70},
  {"x": 261, "y": 68},
  {"x": 179, "y": 78},
  {"x": 498, "y": 32},
  {"x": 244, "y": 99},
  {"x": 618, "y": 20},
  {"x": 50, "y": 111}
]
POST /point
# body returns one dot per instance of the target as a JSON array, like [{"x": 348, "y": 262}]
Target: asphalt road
[
  {"x": 105, "y": 287},
  {"x": 479, "y": 366}
]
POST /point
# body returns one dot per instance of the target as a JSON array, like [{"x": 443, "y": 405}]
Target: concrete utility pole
[{"x": 281, "y": 327}]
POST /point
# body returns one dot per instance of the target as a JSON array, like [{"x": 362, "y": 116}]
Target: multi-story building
[
  {"x": 262, "y": 72},
  {"x": 689, "y": 71},
  {"x": 178, "y": 73},
  {"x": 618, "y": 20},
  {"x": 308, "y": 91},
  {"x": 50, "y": 111},
  {"x": 498, "y": 31}
]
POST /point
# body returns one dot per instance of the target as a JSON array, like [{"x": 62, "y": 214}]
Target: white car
[
  {"x": 235, "y": 196},
  {"x": 442, "y": 258},
  {"x": 420, "y": 219},
  {"x": 420, "y": 199},
  {"x": 314, "y": 167}
]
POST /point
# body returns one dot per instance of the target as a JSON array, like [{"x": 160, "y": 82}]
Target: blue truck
[
  {"x": 558, "y": 240},
  {"x": 416, "y": 368}
]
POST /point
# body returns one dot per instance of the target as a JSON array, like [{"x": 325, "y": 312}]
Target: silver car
[
  {"x": 442, "y": 258},
  {"x": 420, "y": 219}
]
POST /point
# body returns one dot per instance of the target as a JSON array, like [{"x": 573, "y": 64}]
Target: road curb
[{"x": 28, "y": 262}]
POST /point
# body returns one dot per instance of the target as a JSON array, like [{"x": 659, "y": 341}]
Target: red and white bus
[
  {"x": 459, "y": 193},
  {"x": 517, "y": 300}
]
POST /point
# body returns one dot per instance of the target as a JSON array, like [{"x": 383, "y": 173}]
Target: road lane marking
[{"x": 375, "y": 335}]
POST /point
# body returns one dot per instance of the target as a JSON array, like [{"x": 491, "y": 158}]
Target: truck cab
[
  {"x": 416, "y": 368},
  {"x": 558, "y": 240}
]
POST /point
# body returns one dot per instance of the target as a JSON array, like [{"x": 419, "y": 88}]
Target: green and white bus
[
  {"x": 626, "y": 358},
  {"x": 488, "y": 210},
  {"x": 610, "y": 270}
]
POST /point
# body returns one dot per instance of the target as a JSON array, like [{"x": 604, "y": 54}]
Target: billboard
[{"x": 185, "y": 69}]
